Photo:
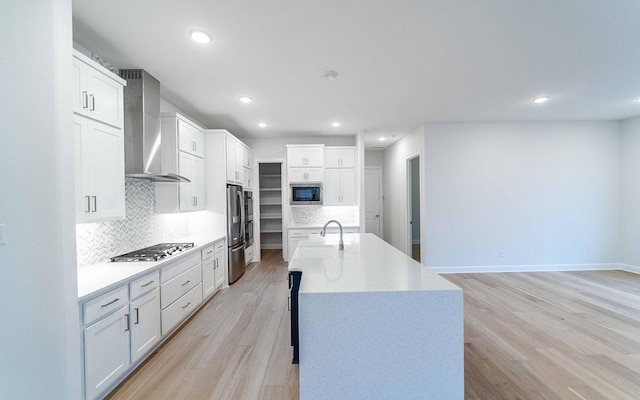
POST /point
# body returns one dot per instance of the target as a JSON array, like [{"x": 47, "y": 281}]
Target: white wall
[
  {"x": 542, "y": 192},
  {"x": 39, "y": 339},
  {"x": 374, "y": 158},
  {"x": 395, "y": 186},
  {"x": 631, "y": 192}
]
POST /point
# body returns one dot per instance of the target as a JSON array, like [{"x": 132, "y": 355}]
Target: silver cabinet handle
[
  {"x": 215, "y": 263},
  {"x": 128, "y": 326},
  {"x": 147, "y": 284},
  {"x": 110, "y": 303},
  {"x": 186, "y": 282},
  {"x": 85, "y": 99},
  {"x": 289, "y": 303},
  {"x": 92, "y": 103},
  {"x": 95, "y": 203},
  {"x": 88, "y": 204},
  {"x": 186, "y": 305},
  {"x": 137, "y": 316}
]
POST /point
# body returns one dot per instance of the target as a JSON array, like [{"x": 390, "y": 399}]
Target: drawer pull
[
  {"x": 209, "y": 252},
  {"x": 137, "y": 316},
  {"x": 147, "y": 284},
  {"x": 186, "y": 305},
  {"x": 110, "y": 303},
  {"x": 186, "y": 282}
]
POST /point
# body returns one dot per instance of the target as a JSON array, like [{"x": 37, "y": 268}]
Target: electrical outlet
[
  {"x": 2, "y": 240},
  {"x": 501, "y": 253}
]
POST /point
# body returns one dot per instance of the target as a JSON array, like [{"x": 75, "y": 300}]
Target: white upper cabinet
[
  {"x": 99, "y": 154},
  {"x": 305, "y": 156},
  {"x": 182, "y": 153},
  {"x": 340, "y": 157},
  {"x": 239, "y": 161},
  {"x": 340, "y": 187},
  {"x": 97, "y": 92}
]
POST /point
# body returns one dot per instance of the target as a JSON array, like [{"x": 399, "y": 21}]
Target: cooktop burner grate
[{"x": 153, "y": 253}]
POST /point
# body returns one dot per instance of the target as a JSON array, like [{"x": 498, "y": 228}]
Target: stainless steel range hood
[{"x": 142, "y": 138}]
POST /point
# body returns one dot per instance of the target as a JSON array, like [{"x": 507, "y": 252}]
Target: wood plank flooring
[
  {"x": 236, "y": 347},
  {"x": 551, "y": 335}
]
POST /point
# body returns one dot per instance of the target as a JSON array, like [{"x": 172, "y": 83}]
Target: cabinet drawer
[
  {"x": 144, "y": 285},
  {"x": 207, "y": 252},
  {"x": 298, "y": 233},
  {"x": 105, "y": 304},
  {"x": 181, "y": 284},
  {"x": 171, "y": 271},
  {"x": 219, "y": 246},
  {"x": 178, "y": 311}
]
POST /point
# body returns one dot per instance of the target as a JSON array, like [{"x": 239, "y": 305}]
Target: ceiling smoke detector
[{"x": 330, "y": 75}]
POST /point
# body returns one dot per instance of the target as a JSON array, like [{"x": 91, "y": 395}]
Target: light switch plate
[{"x": 1, "y": 233}]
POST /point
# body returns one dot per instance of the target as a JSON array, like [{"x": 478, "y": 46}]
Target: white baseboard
[
  {"x": 630, "y": 268},
  {"x": 532, "y": 268}
]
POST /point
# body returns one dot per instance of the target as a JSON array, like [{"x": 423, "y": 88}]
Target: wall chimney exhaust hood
[{"x": 142, "y": 138}]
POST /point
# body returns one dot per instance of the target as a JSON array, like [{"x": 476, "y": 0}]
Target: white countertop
[
  {"x": 99, "y": 278},
  {"x": 367, "y": 264},
  {"x": 313, "y": 226}
]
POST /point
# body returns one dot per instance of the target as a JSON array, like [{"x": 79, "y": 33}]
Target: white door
[{"x": 372, "y": 201}]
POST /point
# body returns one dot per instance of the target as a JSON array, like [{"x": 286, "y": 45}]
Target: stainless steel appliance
[
  {"x": 306, "y": 193},
  {"x": 235, "y": 232},
  {"x": 153, "y": 253},
  {"x": 248, "y": 220}
]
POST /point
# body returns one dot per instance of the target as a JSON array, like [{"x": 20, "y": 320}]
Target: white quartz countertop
[
  {"x": 99, "y": 278},
  {"x": 367, "y": 264},
  {"x": 313, "y": 226}
]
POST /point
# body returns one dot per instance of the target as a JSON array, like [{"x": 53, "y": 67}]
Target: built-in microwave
[{"x": 306, "y": 193}]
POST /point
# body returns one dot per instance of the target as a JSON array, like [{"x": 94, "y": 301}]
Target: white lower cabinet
[
  {"x": 181, "y": 309},
  {"x": 145, "y": 324},
  {"x": 106, "y": 352}
]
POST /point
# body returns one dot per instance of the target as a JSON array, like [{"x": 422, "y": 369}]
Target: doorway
[
  {"x": 270, "y": 195},
  {"x": 413, "y": 206}
]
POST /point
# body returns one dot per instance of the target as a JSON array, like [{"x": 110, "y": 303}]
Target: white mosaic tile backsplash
[
  {"x": 308, "y": 215},
  {"x": 142, "y": 227}
]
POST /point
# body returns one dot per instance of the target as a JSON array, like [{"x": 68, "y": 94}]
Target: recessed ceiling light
[
  {"x": 200, "y": 36},
  {"x": 382, "y": 139},
  {"x": 638, "y": 100},
  {"x": 330, "y": 75},
  {"x": 335, "y": 124},
  {"x": 541, "y": 99},
  {"x": 262, "y": 124},
  {"x": 245, "y": 99}
]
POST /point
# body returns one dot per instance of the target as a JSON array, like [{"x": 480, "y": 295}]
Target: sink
[{"x": 317, "y": 251}]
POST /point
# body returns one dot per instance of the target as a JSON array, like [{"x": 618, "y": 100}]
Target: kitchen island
[{"x": 375, "y": 324}]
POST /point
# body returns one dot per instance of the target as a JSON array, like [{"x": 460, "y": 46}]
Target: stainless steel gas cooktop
[{"x": 153, "y": 253}]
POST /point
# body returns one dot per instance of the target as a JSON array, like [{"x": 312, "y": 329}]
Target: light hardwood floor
[
  {"x": 552, "y": 335},
  {"x": 236, "y": 347}
]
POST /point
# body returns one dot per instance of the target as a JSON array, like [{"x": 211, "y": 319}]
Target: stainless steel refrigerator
[{"x": 235, "y": 232}]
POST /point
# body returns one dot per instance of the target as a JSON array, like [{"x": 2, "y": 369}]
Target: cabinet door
[
  {"x": 348, "y": 158},
  {"x": 240, "y": 159},
  {"x": 247, "y": 175},
  {"x": 198, "y": 183},
  {"x": 80, "y": 96},
  {"x": 315, "y": 175},
  {"x": 198, "y": 138},
  {"x": 348, "y": 187},
  {"x": 232, "y": 174},
  {"x": 105, "y": 98},
  {"x": 106, "y": 352},
  {"x": 100, "y": 188},
  {"x": 297, "y": 174},
  {"x": 220, "y": 267},
  {"x": 331, "y": 158},
  {"x": 332, "y": 188},
  {"x": 145, "y": 325},
  {"x": 296, "y": 157},
  {"x": 185, "y": 137},
  {"x": 208, "y": 277},
  {"x": 186, "y": 168},
  {"x": 315, "y": 156},
  {"x": 248, "y": 158}
]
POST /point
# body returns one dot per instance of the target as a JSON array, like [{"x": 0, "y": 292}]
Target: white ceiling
[{"x": 400, "y": 62}]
